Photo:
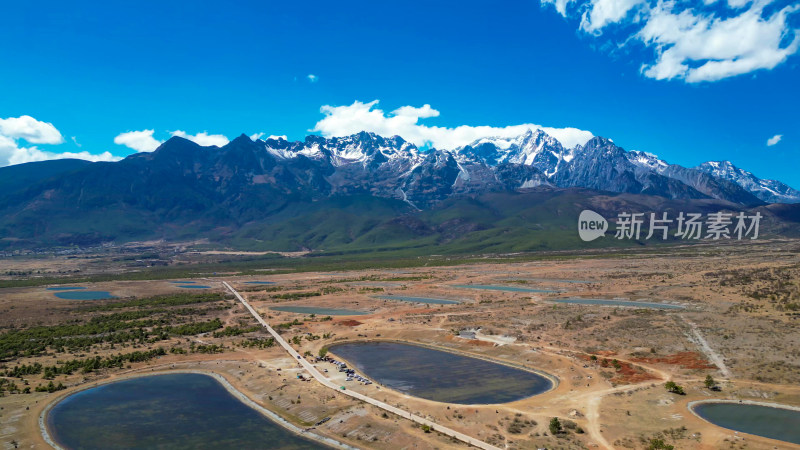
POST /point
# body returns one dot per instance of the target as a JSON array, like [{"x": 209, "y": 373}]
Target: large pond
[
  {"x": 182, "y": 411},
  {"x": 502, "y": 288},
  {"x": 775, "y": 423},
  {"x": 194, "y": 286},
  {"x": 431, "y": 301},
  {"x": 628, "y": 303},
  {"x": 441, "y": 376},
  {"x": 84, "y": 295},
  {"x": 318, "y": 310}
]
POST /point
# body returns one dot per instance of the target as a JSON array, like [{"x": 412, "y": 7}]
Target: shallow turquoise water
[
  {"x": 604, "y": 302},
  {"x": 84, "y": 295},
  {"x": 318, "y": 310},
  {"x": 65, "y": 288},
  {"x": 502, "y": 288},
  {"x": 180, "y": 411},
  {"x": 440, "y": 376},
  {"x": 432, "y": 301},
  {"x": 194, "y": 286},
  {"x": 774, "y": 423}
]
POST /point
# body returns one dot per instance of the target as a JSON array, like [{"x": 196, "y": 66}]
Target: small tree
[
  {"x": 555, "y": 426},
  {"x": 674, "y": 388},
  {"x": 659, "y": 444},
  {"x": 710, "y": 382},
  {"x": 323, "y": 351}
]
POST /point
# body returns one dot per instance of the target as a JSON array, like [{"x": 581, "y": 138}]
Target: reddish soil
[
  {"x": 628, "y": 373},
  {"x": 349, "y": 323},
  {"x": 687, "y": 360}
]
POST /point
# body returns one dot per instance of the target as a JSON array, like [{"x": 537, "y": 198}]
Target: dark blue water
[
  {"x": 65, "y": 288},
  {"x": 194, "y": 286},
  {"x": 432, "y": 301},
  {"x": 603, "y": 302},
  {"x": 502, "y": 288},
  {"x": 318, "y": 310},
  {"x": 441, "y": 376},
  {"x": 175, "y": 411},
  {"x": 84, "y": 295},
  {"x": 774, "y": 423}
]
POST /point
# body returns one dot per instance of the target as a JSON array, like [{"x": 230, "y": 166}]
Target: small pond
[
  {"x": 628, "y": 303},
  {"x": 318, "y": 310},
  {"x": 774, "y": 423},
  {"x": 441, "y": 376},
  {"x": 84, "y": 295},
  {"x": 181, "y": 411},
  {"x": 503, "y": 288},
  {"x": 431, "y": 301}
]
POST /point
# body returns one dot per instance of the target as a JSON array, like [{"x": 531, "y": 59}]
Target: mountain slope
[
  {"x": 359, "y": 190},
  {"x": 770, "y": 191},
  {"x": 20, "y": 176}
]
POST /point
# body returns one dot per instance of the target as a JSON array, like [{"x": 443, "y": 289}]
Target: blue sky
[{"x": 632, "y": 70}]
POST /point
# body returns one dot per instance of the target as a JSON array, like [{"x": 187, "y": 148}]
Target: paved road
[{"x": 336, "y": 387}]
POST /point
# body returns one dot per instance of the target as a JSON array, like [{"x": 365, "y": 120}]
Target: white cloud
[
  {"x": 34, "y": 131},
  {"x": 30, "y": 129},
  {"x": 312, "y": 78},
  {"x": 203, "y": 138},
  {"x": 351, "y": 119},
  {"x": 141, "y": 141},
  {"x": 271, "y": 136},
  {"x": 11, "y": 153},
  {"x": 559, "y": 5},
  {"x": 605, "y": 12},
  {"x": 774, "y": 140},
  {"x": 695, "y": 44}
]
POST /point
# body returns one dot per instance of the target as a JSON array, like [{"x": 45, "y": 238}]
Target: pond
[
  {"x": 84, "y": 295},
  {"x": 318, "y": 310},
  {"x": 554, "y": 280},
  {"x": 431, "y": 301},
  {"x": 441, "y": 376},
  {"x": 771, "y": 422},
  {"x": 604, "y": 302},
  {"x": 185, "y": 410},
  {"x": 194, "y": 286},
  {"x": 503, "y": 288}
]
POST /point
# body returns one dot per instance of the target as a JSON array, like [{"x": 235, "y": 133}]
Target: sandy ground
[{"x": 611, "y": 362}]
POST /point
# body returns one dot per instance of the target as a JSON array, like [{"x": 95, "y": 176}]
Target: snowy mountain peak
[
  {"x": 771, "y": 191},
  {"x": 647, "y": 160}
]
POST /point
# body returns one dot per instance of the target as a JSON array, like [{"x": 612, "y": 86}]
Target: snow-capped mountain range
[
  {"x": 363, "y": 188},
  {"x": 394, "y": 167},
  {"x": 771, "y": 191}
]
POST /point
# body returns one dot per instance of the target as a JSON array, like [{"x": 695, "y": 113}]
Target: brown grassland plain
[{"x": 739, "y": 325}]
